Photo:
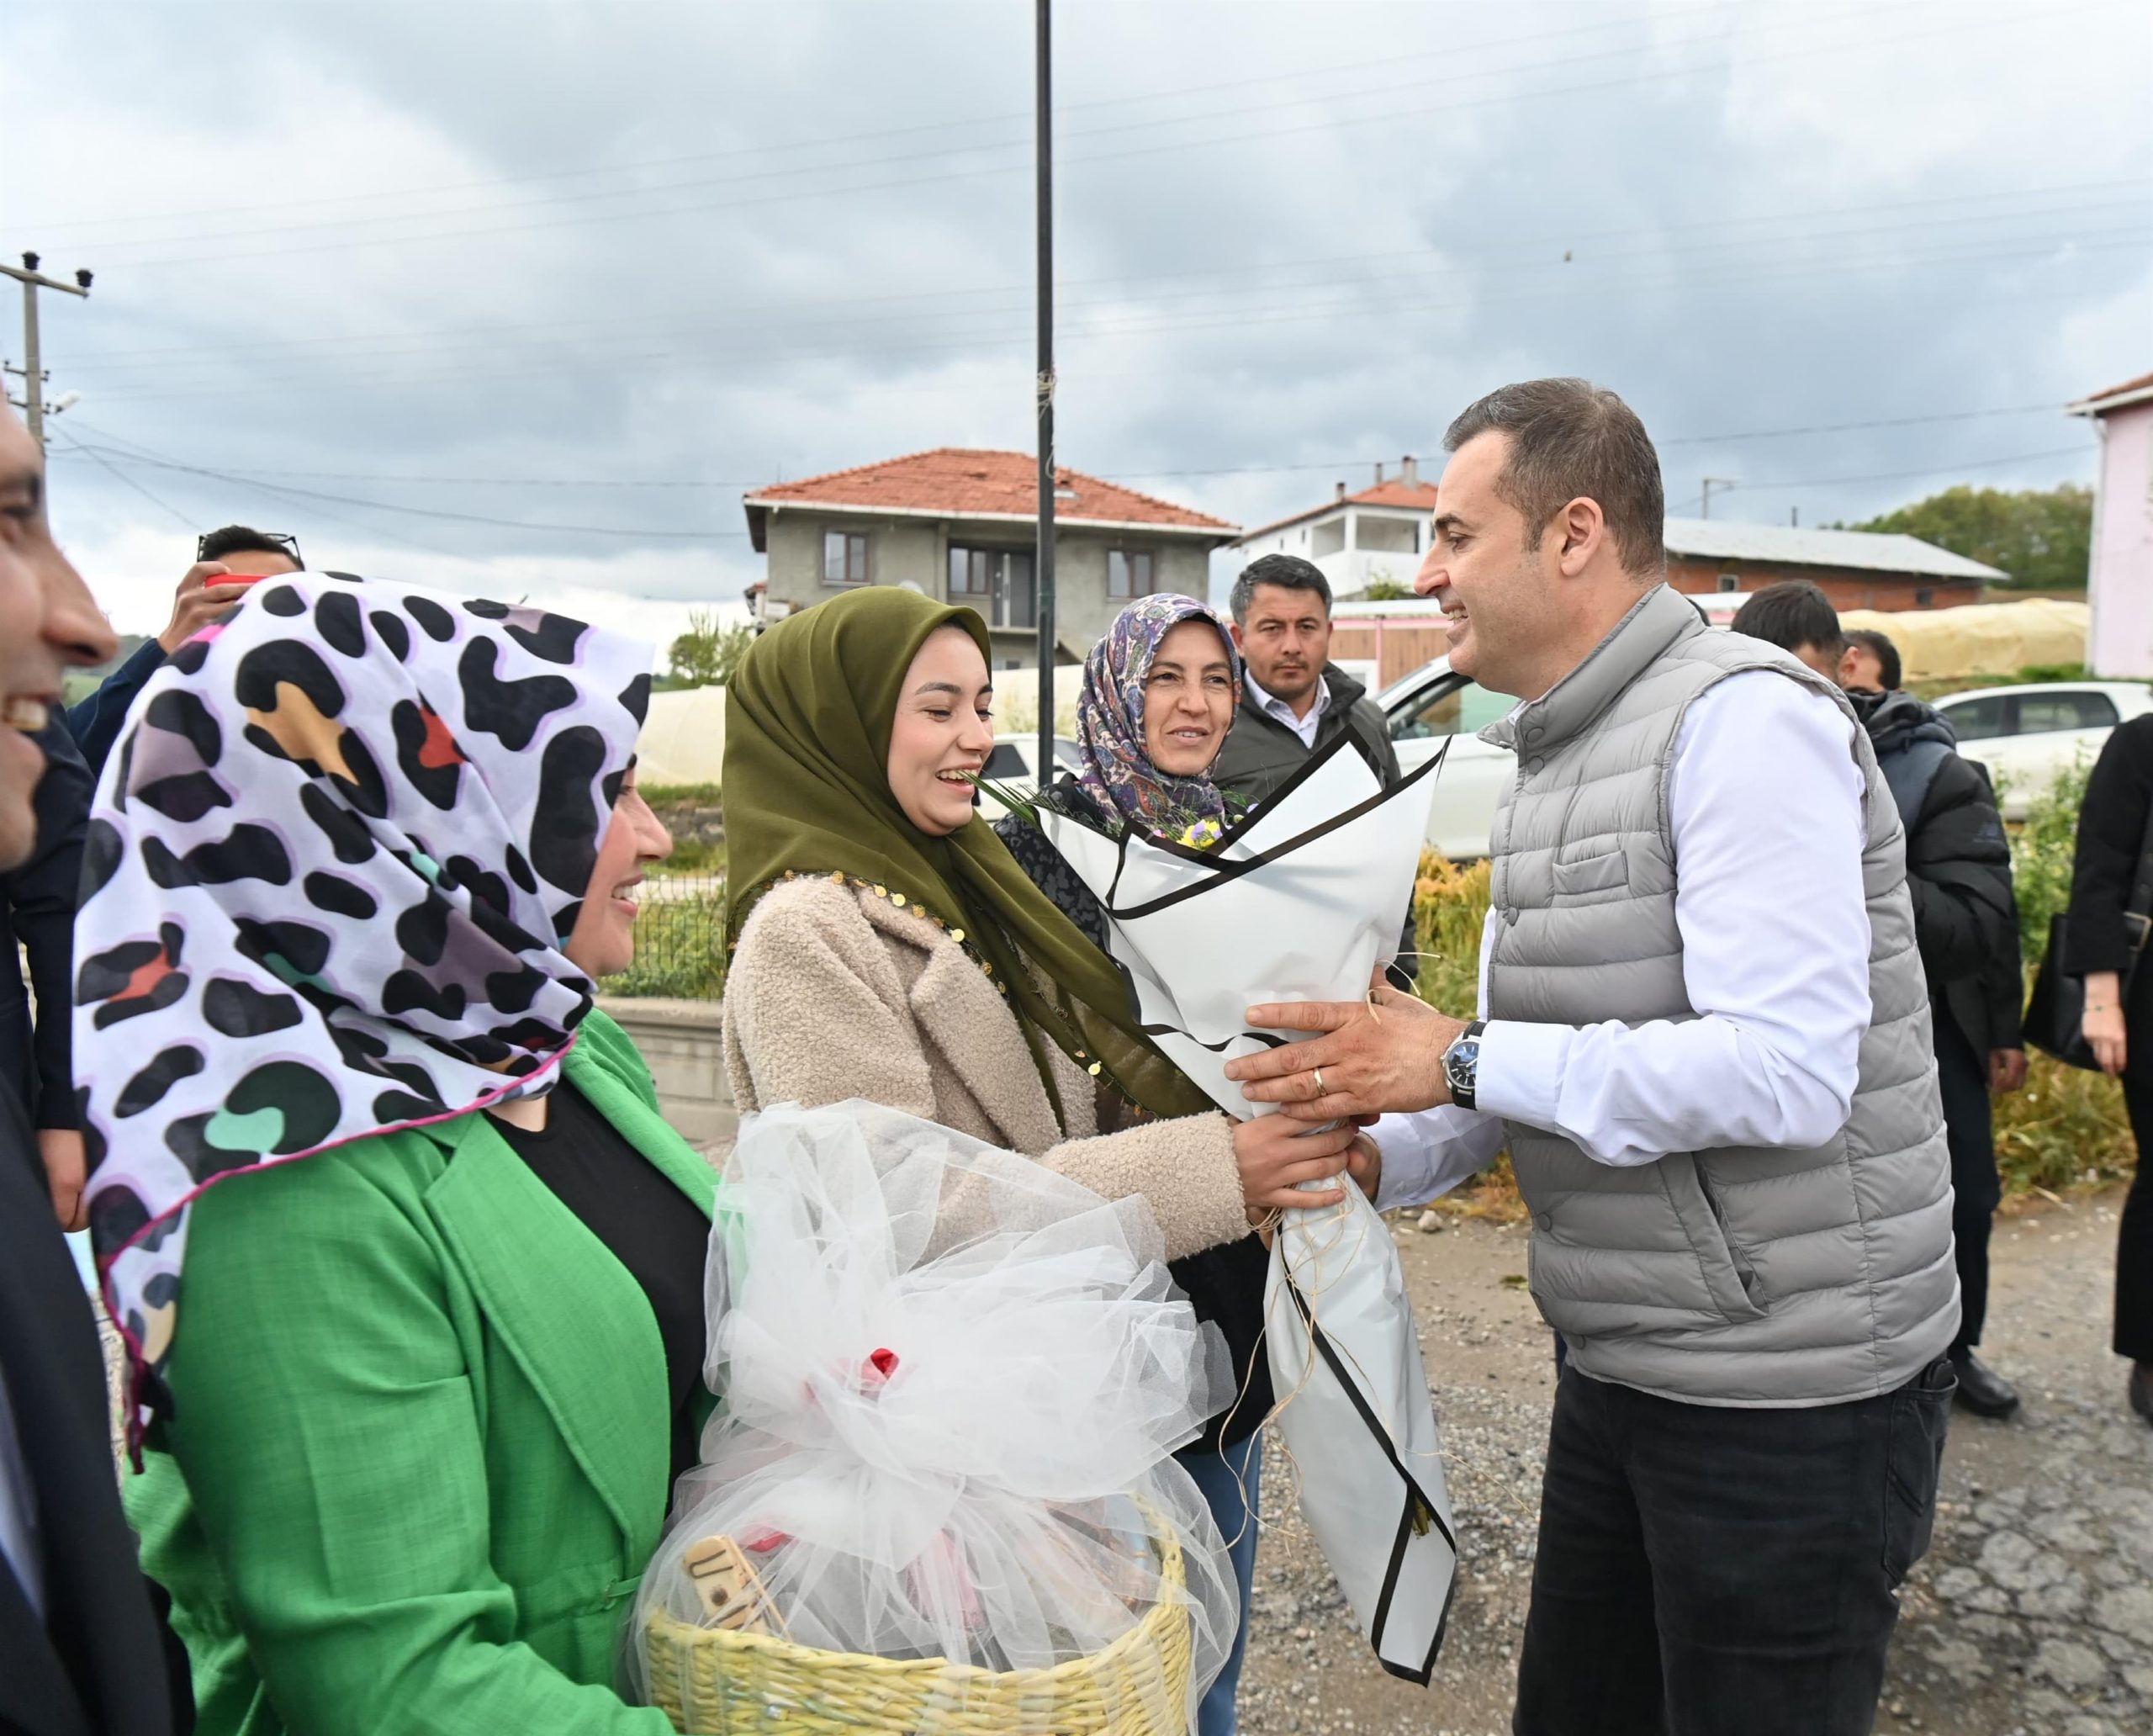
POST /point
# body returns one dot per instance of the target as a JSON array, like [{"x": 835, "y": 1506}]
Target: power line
[
  {"x": 475, "y": 518},
  {"x": 1298, "y": 76},
  {"x": 1330, "y": 123},
  {"x": 1753, "y": 488},
  {"x": 846, "y": 308},
  {"x": 156, "y": 501},
  {"x": 1710, "y": 275}
]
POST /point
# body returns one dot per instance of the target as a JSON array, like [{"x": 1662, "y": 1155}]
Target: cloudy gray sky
[{"x": 520, "y": 297}]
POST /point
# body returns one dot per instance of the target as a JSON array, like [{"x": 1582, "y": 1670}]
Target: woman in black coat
[{"x": 2100, "y": 946}]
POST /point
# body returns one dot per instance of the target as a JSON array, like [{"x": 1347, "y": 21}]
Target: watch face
[{"x": 1463, "y": 1062}]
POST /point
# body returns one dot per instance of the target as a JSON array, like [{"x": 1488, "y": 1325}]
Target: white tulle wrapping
[{"x": 997, "y": 1499}]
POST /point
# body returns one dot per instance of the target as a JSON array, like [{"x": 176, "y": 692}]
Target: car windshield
[{"x": 1450, "y": 705}]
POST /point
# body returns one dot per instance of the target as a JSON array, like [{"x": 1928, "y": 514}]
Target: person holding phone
[{"x": 226, "y": 561}]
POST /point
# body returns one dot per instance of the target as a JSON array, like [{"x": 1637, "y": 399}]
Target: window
[
  {"x": 1729, "y": 584},
  {"x": 2066, "y": 708},
  {"x": 1978, "y": 719},
  {"x": 1385, "y": 535},
  {"x": 1924, "y": 598},
  {"x": 845, "y": 558},
  {"x": 998, "y": 582},
  {"x": 1006, "y": 761},
  {"x": 1450, "y": 705},
  {"x": 1129, "y": 574}
]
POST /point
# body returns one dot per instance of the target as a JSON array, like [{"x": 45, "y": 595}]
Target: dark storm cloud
[{"x": 1323, "y": 230}]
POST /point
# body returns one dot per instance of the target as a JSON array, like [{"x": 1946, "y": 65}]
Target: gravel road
[{"x": 2032, "y": 1615}]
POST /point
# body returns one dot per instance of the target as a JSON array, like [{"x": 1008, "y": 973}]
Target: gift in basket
[
  {"x": 1298, "y": 899},
  {"x": 940, "y": 1495}
]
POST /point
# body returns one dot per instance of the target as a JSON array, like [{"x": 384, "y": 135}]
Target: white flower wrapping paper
[{"x": 1299, "y": 902}]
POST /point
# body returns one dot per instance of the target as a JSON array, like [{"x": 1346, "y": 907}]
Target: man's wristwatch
[{"x": 1462, "y": 1064}]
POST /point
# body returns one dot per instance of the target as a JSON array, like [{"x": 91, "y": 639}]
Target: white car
[
  {"x": 1422, "y": 712},
  {"x": 1012, "y": 764},
  {"x": 2027, "y": 737}
]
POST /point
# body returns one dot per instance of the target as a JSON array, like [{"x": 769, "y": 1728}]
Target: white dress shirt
[
  {"x": 1273, "y": 707},
  {"x": 1764, "y": 803}
]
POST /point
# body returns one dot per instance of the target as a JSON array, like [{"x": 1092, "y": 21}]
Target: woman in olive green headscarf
[{"x": 886, "y": 946}]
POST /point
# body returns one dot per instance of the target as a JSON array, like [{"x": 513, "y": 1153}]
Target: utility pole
[
  {"x": 1043, "y": 386},
  {"x": 33, "y": 368},
  {"x": 1711, "y": 483}
]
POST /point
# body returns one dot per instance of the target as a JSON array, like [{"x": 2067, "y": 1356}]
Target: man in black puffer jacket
[{"x": 1965, "y": 922}]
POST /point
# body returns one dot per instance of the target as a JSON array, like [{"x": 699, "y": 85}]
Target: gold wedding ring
[{"x": 1319, "y": 1091}]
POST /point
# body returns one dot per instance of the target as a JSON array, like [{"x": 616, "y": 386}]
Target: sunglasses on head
[{"x": 276, "y": 539}]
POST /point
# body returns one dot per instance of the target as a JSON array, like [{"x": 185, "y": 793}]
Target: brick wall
[{"x": 1848, "y": 588}]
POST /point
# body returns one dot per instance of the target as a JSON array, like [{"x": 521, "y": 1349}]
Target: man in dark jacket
[
  {"x": 1294, "y": 701},
  {"x": 79, "y": 1653},
  {"x": 1965, "y": 922},
  {"x": 37, "y": 910},
  {"x": 224, "y": 560}
]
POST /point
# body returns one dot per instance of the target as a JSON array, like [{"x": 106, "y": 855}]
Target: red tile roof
[
  {"x": 2131, "y": 389},
  {"x": 1396, "y": 491},
  {"x": 964, "y": 481}
]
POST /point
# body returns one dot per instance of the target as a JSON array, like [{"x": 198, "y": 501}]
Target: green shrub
[
  {"x": 2041, "y": 855},
  {"x": 680, "y": 945}
]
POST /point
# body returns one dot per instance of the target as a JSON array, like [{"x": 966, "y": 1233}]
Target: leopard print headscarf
[{"x": 328, "y": 872}]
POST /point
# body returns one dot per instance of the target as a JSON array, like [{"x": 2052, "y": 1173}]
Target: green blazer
[{"x": 418, "y": 1453}]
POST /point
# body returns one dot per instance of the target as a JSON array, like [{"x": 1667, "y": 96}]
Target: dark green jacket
[
  {"x": 1262, "y": 753},
  {"x": 419, "y": 1449}
]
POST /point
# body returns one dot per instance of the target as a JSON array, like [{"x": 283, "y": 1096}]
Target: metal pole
[
  {"x": 33, "y": 366},
  {"x": 32, "y": 280},
  {"x": 1043, "y": 553}
]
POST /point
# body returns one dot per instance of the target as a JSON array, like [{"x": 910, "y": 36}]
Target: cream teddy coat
[{"x": 835, "y": 992}]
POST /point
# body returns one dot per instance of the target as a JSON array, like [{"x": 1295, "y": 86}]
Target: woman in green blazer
[{"x": 412, "y": 1417}]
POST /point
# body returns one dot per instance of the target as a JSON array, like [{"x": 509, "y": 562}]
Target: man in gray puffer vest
[{"x": 1704, "y": 1036}]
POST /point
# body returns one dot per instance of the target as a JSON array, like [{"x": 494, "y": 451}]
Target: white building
[
  {"x": 2120, "y": 583},
  {"x": 1357, "y": 540}
]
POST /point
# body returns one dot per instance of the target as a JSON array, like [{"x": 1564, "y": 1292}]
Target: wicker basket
[{"x": 711, "y": 1682}]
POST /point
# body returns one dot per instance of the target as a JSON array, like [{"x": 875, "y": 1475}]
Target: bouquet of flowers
[
  {"x": 953, "y": 1383},
  {"x": 1299, "y": 900}
]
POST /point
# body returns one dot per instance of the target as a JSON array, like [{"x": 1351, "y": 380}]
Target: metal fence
[{"x": 679, "y": 939}]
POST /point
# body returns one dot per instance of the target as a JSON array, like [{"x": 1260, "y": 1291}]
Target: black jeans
[
  {"x": 2133, "y": 1332},
  {"x": 1962, "y": 1078},
  {"x": 1713, "y": 1572}
]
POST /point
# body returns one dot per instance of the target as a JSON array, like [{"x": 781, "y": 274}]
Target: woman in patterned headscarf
[{"x": 409, "y": 1267}]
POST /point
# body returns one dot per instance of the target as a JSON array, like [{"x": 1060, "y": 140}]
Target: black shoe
[
  {"x": 2141, "y": 1389},
  {"x": 1981, "y": 1389}
]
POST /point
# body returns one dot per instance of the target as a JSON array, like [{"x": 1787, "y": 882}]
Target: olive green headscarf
[{"x": 807, "y": 721}]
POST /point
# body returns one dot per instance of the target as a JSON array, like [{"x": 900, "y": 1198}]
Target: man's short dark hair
[
  {"x": 1569, "y": 438},
  {"x": 1288, "y": 572},
  {"x": 1888, "y": 670},
  {"x": 245, "y": 539},
  {"x": 1792, "y": 614}
]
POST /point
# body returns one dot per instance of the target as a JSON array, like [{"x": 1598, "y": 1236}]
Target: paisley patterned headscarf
[
  {"x": 1118, "y": 772},
  {"x": 328, "y": 872}
]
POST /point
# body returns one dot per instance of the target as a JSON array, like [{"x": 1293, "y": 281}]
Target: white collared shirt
[
  {"x": 1764, "y": 799},
  {"x": 1273, "y": 707}
]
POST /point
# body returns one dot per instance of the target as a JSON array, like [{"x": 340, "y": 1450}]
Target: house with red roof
[
  {"x": 1376, "y": 536},
  {"x": 959, "y": 523},
  {"x": 2120, "y": 585}
]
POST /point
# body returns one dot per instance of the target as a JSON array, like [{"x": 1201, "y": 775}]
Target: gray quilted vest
[{"x": 1743, "y": 1276}]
